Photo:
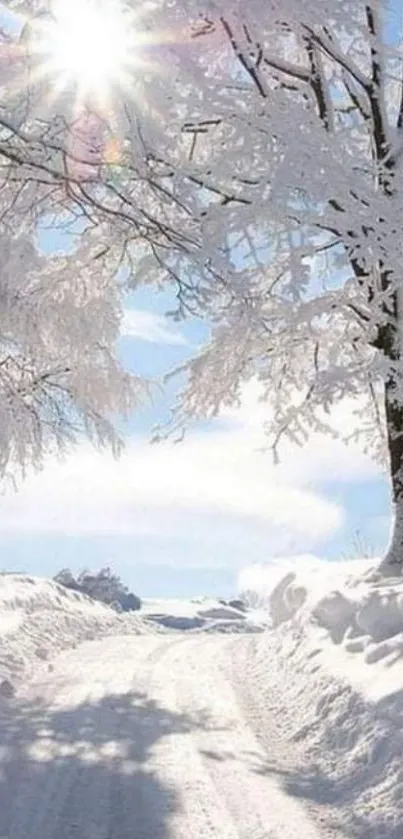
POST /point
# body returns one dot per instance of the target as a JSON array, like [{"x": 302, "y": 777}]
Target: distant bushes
[{"x": 101, "y": 585}]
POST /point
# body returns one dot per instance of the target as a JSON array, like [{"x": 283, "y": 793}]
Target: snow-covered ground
[
  {"x": 144, "y": 737},
  {"x": 291, "y": 733},
  {"x": 331, "y": 667},
  {"x": 39, "y": 618},
  {"x": 201, "y": 614}
]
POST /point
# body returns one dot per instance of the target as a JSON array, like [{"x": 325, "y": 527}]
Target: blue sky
[{"x": 185, "y": 519}]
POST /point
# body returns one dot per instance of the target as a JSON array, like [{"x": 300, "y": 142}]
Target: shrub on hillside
[{"x": 101, "y": 585}]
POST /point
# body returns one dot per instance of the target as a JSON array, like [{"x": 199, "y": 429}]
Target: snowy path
[{"x": 143, "y": 738}]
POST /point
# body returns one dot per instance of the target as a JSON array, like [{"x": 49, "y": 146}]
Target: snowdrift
[
  {"x": 39, "y": 619},
  {"x": 335, "y": 653},
  {"x": 352, "y": 612}
]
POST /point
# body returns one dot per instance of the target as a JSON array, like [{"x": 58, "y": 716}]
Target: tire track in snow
[{"x": 143, "y": 737}]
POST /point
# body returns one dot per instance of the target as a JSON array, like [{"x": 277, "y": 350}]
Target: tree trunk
[{"x": 393, "y": 561}]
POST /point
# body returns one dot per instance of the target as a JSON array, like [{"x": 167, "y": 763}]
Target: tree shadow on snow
[{"x": 81, "y": 773}]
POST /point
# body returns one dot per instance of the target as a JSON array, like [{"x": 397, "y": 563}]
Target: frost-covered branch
[{"x": 260, "y": 174}]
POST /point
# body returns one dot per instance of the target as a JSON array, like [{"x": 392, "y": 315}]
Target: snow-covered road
[{"x": 144, "y": 738}]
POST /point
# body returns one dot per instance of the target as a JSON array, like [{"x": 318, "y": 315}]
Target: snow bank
[
  {"x": 335, "y": 652},
  {"x": 349, "y": 614},
  {"x": 348, "y": 607},
  {"x": 39, "y": 618}
]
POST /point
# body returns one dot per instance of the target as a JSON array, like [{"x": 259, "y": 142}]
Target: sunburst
[
  {"x": 88, "y": 67},
  {"x": 92, "y": 47},
  {"x": 86, "y": 59}
]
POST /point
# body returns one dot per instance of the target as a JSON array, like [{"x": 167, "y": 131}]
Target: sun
[{"x": 90, "y": 44}]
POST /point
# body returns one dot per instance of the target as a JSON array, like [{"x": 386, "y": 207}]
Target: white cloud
[
  {"x": 213, "y": 474},
  {"x": 150, "y": 326},
  {"x": 213, "y": 499}
]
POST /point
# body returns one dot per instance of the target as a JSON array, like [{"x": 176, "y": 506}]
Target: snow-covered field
[
  {"x": 291, "y": 733},
  {"x": 202, "y": 614}
]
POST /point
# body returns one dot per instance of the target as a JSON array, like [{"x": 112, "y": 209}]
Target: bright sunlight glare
[
  {"x": 89, "y": 42},
  {"x": 90, "y": 45}
]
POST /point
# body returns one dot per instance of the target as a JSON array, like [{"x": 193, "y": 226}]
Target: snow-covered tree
[
  {"x": 291, "y": 160},
  {"x": 59, "y": 315},
  {"x": 255, "y": 161},
  {"x": 59, "y": 377},
  {"x": 67, "y": 226}
]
